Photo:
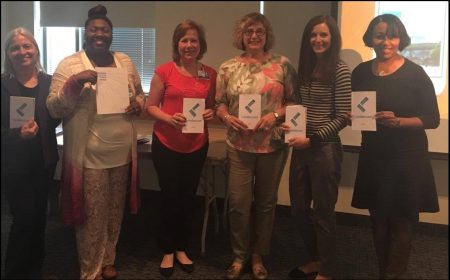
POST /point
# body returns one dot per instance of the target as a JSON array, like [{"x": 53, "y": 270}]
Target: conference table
[{"x": 217, "y": 135}]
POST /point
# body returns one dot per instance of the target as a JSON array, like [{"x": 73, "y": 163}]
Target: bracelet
[
  {"x": 275, "y": 114},
  {"x": 397, "y": 122}
]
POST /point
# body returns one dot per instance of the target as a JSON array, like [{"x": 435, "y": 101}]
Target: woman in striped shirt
[{"x": 315, "y": 171}]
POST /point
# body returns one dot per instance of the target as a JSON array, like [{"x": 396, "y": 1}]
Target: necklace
[
  {"x": 380, "y": 68},
  {"x": 383, "y": 73}
]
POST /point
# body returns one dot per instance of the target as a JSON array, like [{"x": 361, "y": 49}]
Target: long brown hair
[{"x": 308, "y": 59}]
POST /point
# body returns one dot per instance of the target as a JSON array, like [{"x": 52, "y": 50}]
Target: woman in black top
[
  {"x": 394, "y": 178},
  {"x": 29, "y": 153}
]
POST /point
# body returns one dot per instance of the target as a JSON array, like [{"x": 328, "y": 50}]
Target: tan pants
[
  {"x": 253, "y": 191},
  {"x": 104, "y": 201}
]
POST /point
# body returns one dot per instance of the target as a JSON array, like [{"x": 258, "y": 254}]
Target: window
[
  {"x": 137, "y": 43},
  {"x": 59, "y": 43},
  {"x": 426, "y": 23}
]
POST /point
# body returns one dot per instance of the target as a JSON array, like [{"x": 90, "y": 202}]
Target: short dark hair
[
  {"x": 395, "y": 29},
  {"x": 181, "y": 30},
  {"x": 98, "y": 12},
  {"x": 308, "y": 59},
  {"x": 245, "y": 22}
]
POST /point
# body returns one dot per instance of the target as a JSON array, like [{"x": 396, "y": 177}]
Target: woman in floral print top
[
  {"x": 272, "y": 78},
  {"x": 257, "y": 156}
]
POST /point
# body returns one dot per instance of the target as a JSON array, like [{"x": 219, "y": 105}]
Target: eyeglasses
[{"x": 258, "y": 32}]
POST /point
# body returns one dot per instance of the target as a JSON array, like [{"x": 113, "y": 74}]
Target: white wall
[
  {"x": 218, "y": 18},
  {"x": 121, "y": 13},
  {"x": 15, "y": 14}
]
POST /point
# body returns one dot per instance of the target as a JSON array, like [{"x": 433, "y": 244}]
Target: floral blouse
[{"x": 275, "y": 79}]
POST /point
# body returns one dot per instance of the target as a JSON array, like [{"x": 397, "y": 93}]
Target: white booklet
[
  {"x": 296, "y": 119},
  {"x": 112, "y": 90},
  {"x": 250, "y": 109},
  {"x": 364, "y": 106},
  {"x": 21, "y": 110},
  {"x": 193, "y": 109}
]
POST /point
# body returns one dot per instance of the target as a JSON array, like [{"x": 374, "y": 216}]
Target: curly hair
[{"x": 245, "y": 22}]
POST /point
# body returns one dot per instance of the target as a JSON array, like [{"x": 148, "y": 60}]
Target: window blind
[{"x": 139, "y": 45}]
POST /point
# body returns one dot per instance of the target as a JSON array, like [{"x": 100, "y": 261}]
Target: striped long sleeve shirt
[{"x": 326, "y": 106}]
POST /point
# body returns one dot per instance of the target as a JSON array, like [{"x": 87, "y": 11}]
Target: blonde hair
[
  {"x": 9, "y": 69},
  {"x": 245, "y": 22}
]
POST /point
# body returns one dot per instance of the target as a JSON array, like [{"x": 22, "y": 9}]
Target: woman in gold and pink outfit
[{"x": 99, "y": 150}]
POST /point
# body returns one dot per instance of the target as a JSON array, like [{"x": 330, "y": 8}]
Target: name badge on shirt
[{"x": 202, "y": 74}]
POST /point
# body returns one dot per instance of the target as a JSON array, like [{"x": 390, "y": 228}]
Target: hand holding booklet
[
  {"x": 250, "y": 109},
  {"x": 21, "y": 110},
  {"x": 363, "y": 110},
  {"x": 193, "y": 109},
  {"x": 296, "y": 119}
]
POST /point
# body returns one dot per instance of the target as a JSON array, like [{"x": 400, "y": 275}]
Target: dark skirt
[{"x": 402, "y": 184}]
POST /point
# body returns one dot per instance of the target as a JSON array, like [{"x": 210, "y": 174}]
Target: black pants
[
  {"x": 27, "y": 196},
  {"x": 178, "y": 175},
  {"x": 314, "y": 176}
]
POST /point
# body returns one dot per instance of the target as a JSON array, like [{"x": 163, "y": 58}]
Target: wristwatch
[{"x": 277, "y": 117}]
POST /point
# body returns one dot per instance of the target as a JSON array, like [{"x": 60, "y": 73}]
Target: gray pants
[
  {"x": 253, "y": 179},
  {"x": 314, "y": 177}
]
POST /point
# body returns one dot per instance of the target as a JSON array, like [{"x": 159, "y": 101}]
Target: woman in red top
[{"x": 178, "y": 157}]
